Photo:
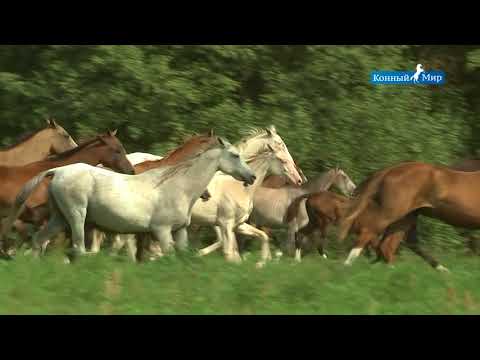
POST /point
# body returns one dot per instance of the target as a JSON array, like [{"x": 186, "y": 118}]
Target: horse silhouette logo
[{"x": 417, "y": 73}]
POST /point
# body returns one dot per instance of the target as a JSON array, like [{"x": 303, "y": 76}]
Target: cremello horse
[
  {"x": 230, "y": 205},
  {"x": 157, "y": 202}
]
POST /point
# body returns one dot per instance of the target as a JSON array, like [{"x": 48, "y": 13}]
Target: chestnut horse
[
  {"x": 401, "y": 193},
  {"x": 104, "y": 149},
  {"x": 390, "y": 243}
]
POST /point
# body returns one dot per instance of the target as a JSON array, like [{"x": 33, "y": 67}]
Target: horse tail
[
  {"x": 293, "y": 208},
  {"x": 20, "y": 200},
  {"x": 368, "y": 189}
]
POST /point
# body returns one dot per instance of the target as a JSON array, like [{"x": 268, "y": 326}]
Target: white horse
[
  {"x": 157, "y": 202},
  {"x": 230, "y": 206},
  {"x": 118, "y": 240}
]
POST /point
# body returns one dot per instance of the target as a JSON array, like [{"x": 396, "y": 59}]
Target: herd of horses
[{"x": 88, "y": 196}]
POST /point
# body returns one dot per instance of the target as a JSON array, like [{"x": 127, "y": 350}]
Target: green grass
[{"x": 189, "y": 285}]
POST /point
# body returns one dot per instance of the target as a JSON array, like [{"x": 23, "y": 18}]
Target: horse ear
[
  {"x": 271, "y": 130},
  {"x": 112, "y": 133},
  {"x": 221, "y": 142},
  {"x": 210, "y": 133},
  {"x": 53, "y": 123}
]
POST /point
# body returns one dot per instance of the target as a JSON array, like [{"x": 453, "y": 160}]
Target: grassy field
[{"x": 190, "y": 285}]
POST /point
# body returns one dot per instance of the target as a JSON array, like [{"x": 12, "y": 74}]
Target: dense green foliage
[{"x": 319, "y": 97}]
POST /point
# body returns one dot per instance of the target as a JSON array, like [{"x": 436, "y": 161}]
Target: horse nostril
[
  {"x": 299, "y": 182},
  {"x": 254, "y": 178}
]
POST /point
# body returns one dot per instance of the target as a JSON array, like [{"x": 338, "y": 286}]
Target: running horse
[
  {"x": 104, "y": 149},
  {"x": 191, "y": 147},
  {"x": 395, "y": 196},
  {"x": 391, "y": 243},
  {"x": 159, "y": 201}
]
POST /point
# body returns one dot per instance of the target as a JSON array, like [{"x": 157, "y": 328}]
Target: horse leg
[
  {"x": 154, "y": 248},
  {"x": 298, "y": 246},
  {"x": 118, "y": 242},
  {"x": 366, "y": 236},
  {"x": 77, "y": 225},
  {"x": 98, "y": 237},
  {"x": 140, "y": 240},
  {"x": 321, "y": 241},
  {"x": 215, "y": 246},
  {"x": 230, "y": 248},
  {"x": 181, "y": 239},
  {"x": 55, "y": 226},
  {"x": 249, "y": 230},
  {"x": 131, "y": 241},
  {"x": 413, "y": 244},
  {"x": 162, "y": 234}
]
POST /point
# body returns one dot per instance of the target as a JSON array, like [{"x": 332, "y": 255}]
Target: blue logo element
[{"x": 418, "y": 77}]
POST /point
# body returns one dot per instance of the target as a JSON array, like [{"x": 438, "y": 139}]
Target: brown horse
[
  {"x": 104, "y": 149},
  {"x": 36, "y": 146},
  {"x": 404, "y": 191},
  {"x": 391, "y": 242}
]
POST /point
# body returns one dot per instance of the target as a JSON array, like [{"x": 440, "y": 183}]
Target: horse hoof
[
  {"x": 442, "y": 268},
  {"x": 278, "y": 254},
  {"x": 324, "y": 256},
  {"x": 260, "y": 264}
]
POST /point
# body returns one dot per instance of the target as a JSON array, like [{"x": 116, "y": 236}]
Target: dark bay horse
[
  {"x": 402, "y": 192},
  {"x": 104, "y": 149},
  {"x": 36, "y": 146}
]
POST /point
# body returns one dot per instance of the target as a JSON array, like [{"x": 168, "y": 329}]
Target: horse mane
[
  {"x": 187, "y": 140},
  {"x": 70, "y": 152},
  {"x": 254, "y": 132},
  {"x": 21, "y": 139},
  {"x": 170, "y": 171}
]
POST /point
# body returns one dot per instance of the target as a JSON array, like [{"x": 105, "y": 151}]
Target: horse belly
[
  {"x": 461, "y": 215},
  {"x": 125, "y": 219},
  {"x": 119, "y": 209}
]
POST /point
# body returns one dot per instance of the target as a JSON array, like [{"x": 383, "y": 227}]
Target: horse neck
[
  {"x": 150, "y": 164},
  {"x": 323, "y": 182},
  {"x": 194, "y": 178},
  {"x": 35, "y": 148},
  {"x": 91, "y": 155},
  {"x": 260, "y": 167},
  {"x": 251, "y": 147}
]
